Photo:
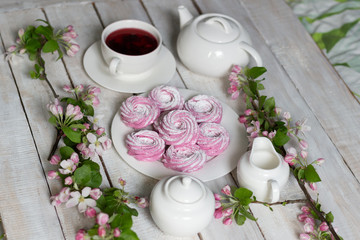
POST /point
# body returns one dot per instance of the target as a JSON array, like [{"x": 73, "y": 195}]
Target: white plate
[
  {"x": 217, "y": 167},
  {"x": 98, "y": 71}
]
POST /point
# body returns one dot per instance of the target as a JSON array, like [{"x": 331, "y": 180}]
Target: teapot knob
[
  {"x": 186, "y": 181},
  {"x": 224, "y": 23}
]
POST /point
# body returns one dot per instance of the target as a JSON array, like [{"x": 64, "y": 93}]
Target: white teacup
[
  {"x": 122, "y": 62},
  {"x": 263, "y": 171}
]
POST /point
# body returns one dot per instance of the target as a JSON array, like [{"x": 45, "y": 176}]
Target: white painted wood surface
[{"x": 299, "y": 77}]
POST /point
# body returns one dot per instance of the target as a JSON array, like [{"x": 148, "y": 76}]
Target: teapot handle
[
  {"x": 225, "y": 24},
  {"x": 253, "y": 53},
  {"x": 275, "y": 190}
]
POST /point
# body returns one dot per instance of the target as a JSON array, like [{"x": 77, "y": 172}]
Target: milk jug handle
[
  {"x": 275, "y": 190},
  {"x": 253, "y": 53}
]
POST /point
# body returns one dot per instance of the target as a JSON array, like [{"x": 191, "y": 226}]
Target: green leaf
[
  {"x": 240, "y": 219},
  {"x": 243, "y": 195},
  {"x": 253, "y": 87},
  {"x": 47, "y": 31},
  {"x": 281, "y": 137},
  {"x": 255, "y": 72},
  {"x": 82, "y": 175},
  {"x": 34, "y": 75},
  {"x": 247, "y": 90},
  {"x": 247, "y": 214},
  {"x": 77, "y": 125},
  {"x": 53, "y": 120},
  {"x": 128, "y": 234},
  {"x": 69, "y": 143},
  {"x": 74, "y": 136},
  {"x": 311, "y": 174},
  {"x": 122, "y": 221},
  {"x": 301, "y": 174},
  {"x": 329, "y": 217},
  {"x": 66, "y": 152},
  {"x": 269, "y": 104},
  {"x": 95, "y": 180},
  {"x": 261, "y": 101},
  {"x": 50, "y": 46},
  {"x": 32, "y": 45}
]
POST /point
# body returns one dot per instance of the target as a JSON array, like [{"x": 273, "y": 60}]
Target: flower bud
[
  {"x": 227, "y": 221},
  {"x": 303, "y": 144},
  {"x": 218, "y": 213},
  {"x": 101, "y": 231},
  {"x": 102, "y": 218},
  {"x": 53, "y": 175},
  {"x": 308, "y": 228},
  {"x": 324, "y": 227},
  {"x": 117, "y": 232},
  {"x": 319, "y": 161},
  {"x": 95, "y": 193},
  {"x": 226, "y": 190},
  {"x": 90, "y": 212},
  {"x": 304, "y": 236},
  {"x": 55, "y": 159},
  {"x": 68, "y": 181}
]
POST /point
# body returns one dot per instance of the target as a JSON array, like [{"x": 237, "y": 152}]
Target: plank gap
[{"x": 98, "y": 14}]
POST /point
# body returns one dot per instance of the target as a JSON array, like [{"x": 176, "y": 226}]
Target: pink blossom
[
  {"x": 21, "y": 32},
  {"x": 253, "y": 129},
  {"x": 11, "y": 49},
  {"x": 286, "y": 116},
  {"x": 117, "y": 232},
  {"x": 305, "y": 209},
  {"x": 235, "y": 95},
  {"x": 100, "y": 131},
  {"x": 61, "y": 197},
  {"x": 304, "y": 236},
  {"x": 69, "y": 28},
  {"x": 217, "y": 204},
  {"x": 226, "y": 190},
  {"x": 264, "y": 133},
  {"x": 302, "y": 217},
  {"x": 95, "y": 193},
  {"x": 277, "y": 110},
  {"x": 272, "y": 134},
  {"x": 53, "y": 175},
  {"x": 72, "y": 50},
  {"x": 142, "y": 202},
  {"x": 90, "y": 212},
  {"x": 81, "y": 199},
  {"x": 308, "y": 228},
  {"x": 242, "y": 119},
  {"x": 55, "y": 159},
  {"x": 324, "y": 227},
  {"x": 236, "y": 69},
  {"x": 122, "y": 182},
  {"x": 68, "y": 166},
  {"x": 310, "y": 220},
  {"x": 80, "y": 235},
  {"x": 248, "y": 112},
  {"x": 227, "y": 221},
  {"x": 217, "y": 197},
  {"x": 93, "y": 90},
  {"x": 227, "y": 212},
  {"x": 102, "y": 218},
  {"x": 74, "y": 158},
  {"x": 22, "y": 51},
  {"x": 319, "y": 161},
  {"x": 101, "y": 231},
  {"x": 301, "y": 127},
  {"x": 68, "y": 181},
  {"x": 313, "y": 186},
  {"x": 303, "y": 144},
  {"x": 68, "y": 89},
  {"x": 303, "y": 154},
  {"x": 218, "y": 213}
]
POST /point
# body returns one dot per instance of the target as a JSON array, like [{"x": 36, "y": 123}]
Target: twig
[
  {"x": 56, "y": 143},
  {"x": 283, "y": 202}
]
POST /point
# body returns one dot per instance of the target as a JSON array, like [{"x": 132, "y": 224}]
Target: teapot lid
[
  {"x": 218, "y": 29},
  {"x": 185, "y": 189}
]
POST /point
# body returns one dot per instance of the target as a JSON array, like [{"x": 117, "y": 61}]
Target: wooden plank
[
  {"x": 318, "y": 82},
  {"x": 89, "y": 28},
  {"x": 165, "y": 17},
  {"x": 24, "y": 203},
  {"x": 335, "y": 173}
]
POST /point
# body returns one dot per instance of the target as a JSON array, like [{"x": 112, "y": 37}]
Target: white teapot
[
  {"x": 212, "y": 43},
  {"x": 263, "y": 171},
  {"x": 181, "y": 205}
]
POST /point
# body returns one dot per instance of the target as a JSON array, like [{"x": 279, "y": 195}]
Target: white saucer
[
  {"x": 217, "y": 167},
  {"x": 98, "y": 71}
]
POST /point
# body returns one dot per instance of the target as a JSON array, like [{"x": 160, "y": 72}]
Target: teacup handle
[
  {"x": 253, "y": 53},
  {"x": 275, "y": 190},
  {"x": 114, "y": 64}
]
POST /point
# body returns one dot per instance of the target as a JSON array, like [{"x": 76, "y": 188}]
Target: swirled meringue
[
  {"x": 145, "y": 145},
  {"x": 139, "y": 112},
  {"x": 185, "y": 158},
  {"x": 167, "y": 98},
  {"x": 205, "y": 108},
  {"x": 213, "y": 138},
  {"x": 177, "y": 127}
]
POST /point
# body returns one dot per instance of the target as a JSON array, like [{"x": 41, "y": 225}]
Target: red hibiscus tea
[{"x": 131, "y": 41}]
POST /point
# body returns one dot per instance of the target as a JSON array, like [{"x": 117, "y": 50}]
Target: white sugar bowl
[{"x": 181, "y": 205}]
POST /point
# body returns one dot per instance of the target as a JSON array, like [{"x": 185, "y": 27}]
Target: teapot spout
[{"x": 185, "y": 15}]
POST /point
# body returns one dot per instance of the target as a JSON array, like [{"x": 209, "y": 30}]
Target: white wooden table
[{"x": 299, "y": 77}]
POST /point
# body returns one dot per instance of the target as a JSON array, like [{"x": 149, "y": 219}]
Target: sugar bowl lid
[
  {"x": 218, "y": 28},
  {"x": 185, "y": 189}
]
